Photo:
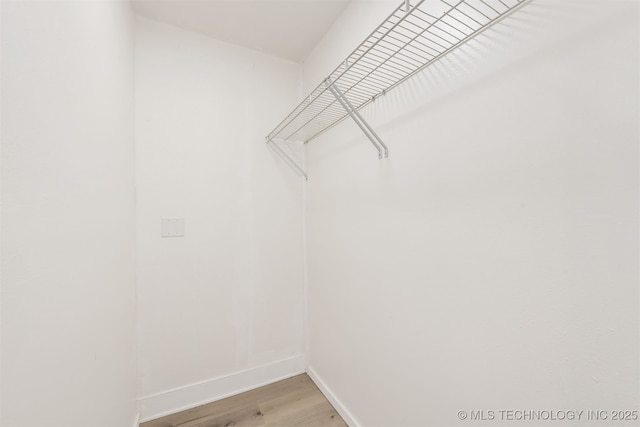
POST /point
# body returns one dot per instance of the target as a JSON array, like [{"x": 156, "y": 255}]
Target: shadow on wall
[{"x": 510, "y": 45}]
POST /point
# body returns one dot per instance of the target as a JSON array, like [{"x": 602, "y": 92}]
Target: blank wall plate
[{"x": 172, "y": 227}]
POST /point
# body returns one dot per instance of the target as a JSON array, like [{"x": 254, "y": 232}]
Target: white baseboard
[
  {"x": 346, "y": 416},
  {"x": 187, "y": 397},
  {"x": 136, "y": 420}
]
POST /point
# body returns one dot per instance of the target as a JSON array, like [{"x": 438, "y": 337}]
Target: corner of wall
[{"x": 331, "y": 397}]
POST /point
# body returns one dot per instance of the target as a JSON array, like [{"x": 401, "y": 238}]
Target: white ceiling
[{"x": 286, "y": 28}]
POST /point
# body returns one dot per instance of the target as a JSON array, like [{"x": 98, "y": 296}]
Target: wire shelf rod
[
  {"x": 395, "y": 53},
  {"x": 381, "y": 38},
  {"x": 411, "y": 38},
  {"x": 489, "y": 6},
  {"x": 480, "y": 30},
  {"x": 374, "y": 43}
]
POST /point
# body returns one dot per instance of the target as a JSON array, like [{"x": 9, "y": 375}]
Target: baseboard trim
[
  {"x": 187, "y": 397},
  {"x": 342, "y": 410},
  {"x": 136, "y": 420}
]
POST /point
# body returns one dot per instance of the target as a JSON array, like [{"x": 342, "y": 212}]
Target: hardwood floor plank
[
  {"x": 312, "y": 410},
  {"x": 321, "y": 415},
  {"x": 293, "y": 402},
  {"x": 247, "y": 417}
]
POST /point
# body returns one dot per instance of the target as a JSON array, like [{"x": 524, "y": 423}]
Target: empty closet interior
[{"x": 430, "y": 207}]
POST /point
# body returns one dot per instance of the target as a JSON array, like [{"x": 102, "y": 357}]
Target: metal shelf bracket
[
  {"x": 355, "y": 115},
  {"x": 287, "y": 158}
]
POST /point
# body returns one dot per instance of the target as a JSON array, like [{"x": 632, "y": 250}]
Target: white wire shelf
[{"x": 410, "y": 39}]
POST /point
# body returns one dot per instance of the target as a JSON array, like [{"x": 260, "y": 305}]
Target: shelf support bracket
[
  {"x": 355, "y": 115},
  {"x": 287, "y": 158}
]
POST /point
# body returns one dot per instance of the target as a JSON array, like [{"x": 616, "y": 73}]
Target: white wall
[
  {"x": 68, "y": 296},
  {"x": 221, "y": 308},
  {"x": 492, "y": 261}
]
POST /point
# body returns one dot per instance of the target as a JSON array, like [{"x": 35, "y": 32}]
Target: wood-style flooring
[{"x": 294, "y": 402}]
